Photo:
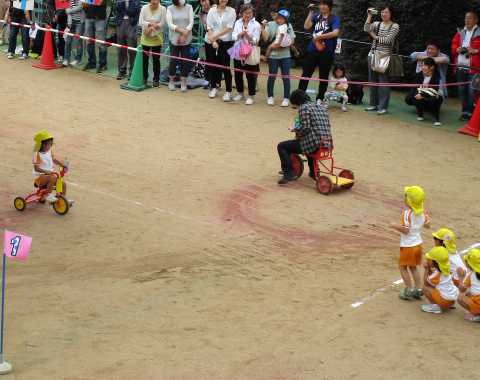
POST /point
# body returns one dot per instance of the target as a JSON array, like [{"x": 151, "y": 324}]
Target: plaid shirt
[{"x": 314, "y": 127}]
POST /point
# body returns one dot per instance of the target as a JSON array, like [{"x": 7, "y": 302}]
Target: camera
[
  {"x": 372, "y": 11},
  {"x": 464, "y": 50},
  {"x": 313, "y": 8}
]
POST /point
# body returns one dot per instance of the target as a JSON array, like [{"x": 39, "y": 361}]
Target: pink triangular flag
[{"x": 16, "y": 245}]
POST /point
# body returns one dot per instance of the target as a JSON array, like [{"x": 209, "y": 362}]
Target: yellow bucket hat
[
  {"x": 415, "y": 198},
  {"x": 39, "y": 137},
  {"x": 440, "y": 255},
  {"x": 447, "y": 237},
  {"x": 473, "y": 259}
]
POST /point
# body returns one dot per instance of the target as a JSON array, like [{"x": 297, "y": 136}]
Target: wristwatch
[{"x": 476, "y": 51}]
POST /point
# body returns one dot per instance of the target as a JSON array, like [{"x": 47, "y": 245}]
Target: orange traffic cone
[{"x": 47, "y": 53}]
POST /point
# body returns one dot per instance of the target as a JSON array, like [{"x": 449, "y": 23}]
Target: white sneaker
[
  {"x": 9, "y": 55},
  {"x": 60, "y": 59},
  {"x": 23, "y": 56},
  {"x": 249, "y": 101},
  {"x": 65, "y": 63},
  {"x": 183, "y": 87},
  {"x": 50, "y": 198},
  {"x": 75, "y": 63},
  {"x": 285, "y": 102},
  {"x": 239, "y": 97},
  {"x": 213, "y": 93},
  {"x": 271, "y": 101},
  {"x": 327, "y": 105},
  {"x": 171, "y": 87},
  {"x": 70, "y": 202},
  {"x": 319, "y": 102},
  {"x": 227, "y": 97},
  {"x": 344, "y": 108}
]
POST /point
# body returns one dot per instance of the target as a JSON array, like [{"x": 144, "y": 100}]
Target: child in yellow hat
[
  {"x": 445, "y": 238},
  {"x": 471, "y": 281},
  {"x": 43, "y": 160},
  {"x": 411, "y": 251},
  {"x": 438, "y": 284}
]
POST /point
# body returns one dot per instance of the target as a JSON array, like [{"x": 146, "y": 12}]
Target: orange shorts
[
  {"x": 38, "y": 181},
  {"x": 440, "y": 301},
  {"x": 411, "y": 256},
  {"x": 474, "y": 303}
]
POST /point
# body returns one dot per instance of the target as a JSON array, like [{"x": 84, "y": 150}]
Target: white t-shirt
[
  {"x": 444, "y": 284},
  {"x": 287, "y": 40},
  {"x": 414, "y": 222},
  {"x": 338, "y": 82},
  {"x": 44, "y": 160},
  {"x": 426, "y": 80},
  {"x": 462, "y": 60},
  {"x": 472, "y": 283},
  {"x": 217, "y": 23},
  {"x": 456, "y": 262}
]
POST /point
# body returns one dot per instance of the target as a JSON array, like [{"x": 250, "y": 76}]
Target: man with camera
[
  {"x": 465, "y": 48},
  {"x": 326, "y": 28}
]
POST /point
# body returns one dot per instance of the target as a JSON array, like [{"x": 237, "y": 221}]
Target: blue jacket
[{"x": 133, "y": 12}]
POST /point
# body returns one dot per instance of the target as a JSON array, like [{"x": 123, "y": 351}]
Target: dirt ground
[{"x": 183, "y": 259}]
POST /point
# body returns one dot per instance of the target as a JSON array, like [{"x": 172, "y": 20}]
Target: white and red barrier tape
[{"x": 227, "y": 67}]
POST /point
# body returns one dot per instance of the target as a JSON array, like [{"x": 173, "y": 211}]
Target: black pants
[
  {"x": 220, "y": 56},
  {"x": 250, "y": 77},
  {"x": 208, "y": 68},
  {"x": 62, "y": 24},
  {"x": 177, "y": 51},
  {"x": 431, "y": 103},
  {"x": 285, "y": 150},
  {"x": 155, "y": 59},
  {"x": 324, "y": 61}
]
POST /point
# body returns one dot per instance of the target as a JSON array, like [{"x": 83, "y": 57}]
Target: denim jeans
[
  {"x": 465, "y": 91},
  {"x": 273, "y": 65},
  {"x": 96, "y": 29},
  {"x": 379, "y": 95},
  {"x": 77, "y": 28},
  {"x": 12, "y": 39}
]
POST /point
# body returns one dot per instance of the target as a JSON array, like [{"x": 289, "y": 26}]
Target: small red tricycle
[
  {"x": 61, "y": 206},
  {"x": 325, "y": 178}
]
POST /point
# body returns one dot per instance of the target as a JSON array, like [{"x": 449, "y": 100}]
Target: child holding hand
[
  {"x": 438, "y": 284},
  {"x": 471, "y": 281},
  {"x": 411, "y": 251}
]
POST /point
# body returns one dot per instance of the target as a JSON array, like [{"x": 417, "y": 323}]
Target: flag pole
[{"x": 4, "y": 366}]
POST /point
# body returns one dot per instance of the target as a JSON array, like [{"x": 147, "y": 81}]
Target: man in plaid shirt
[{"x": 314, "y": 127}]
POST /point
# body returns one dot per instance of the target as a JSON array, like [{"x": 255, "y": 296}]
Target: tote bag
[
  {"x": 254, "y": 57},
  {"x": 395, "y": 70}
]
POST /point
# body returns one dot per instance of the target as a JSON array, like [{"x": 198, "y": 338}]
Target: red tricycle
[
  {"x": 345, "y": 178},
  {"x": 61, "y": 206}
]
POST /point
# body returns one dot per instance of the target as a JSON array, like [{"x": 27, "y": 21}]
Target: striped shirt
[{"x": 386, "y": 34}]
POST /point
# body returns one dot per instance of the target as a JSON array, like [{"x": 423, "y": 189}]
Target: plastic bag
[
  {"x": 234, "y": 51},
  {"x": 245, "y": 49}
]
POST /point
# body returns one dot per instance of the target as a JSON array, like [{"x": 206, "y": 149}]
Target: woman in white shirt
[
  {"x": 152, "y": 20},
  {"x": 246, "y": 29},
  {"x": 180, "y": 21},
  {"x": 220, "y": 21}
]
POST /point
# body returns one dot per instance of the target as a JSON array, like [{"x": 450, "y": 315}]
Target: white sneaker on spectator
[
  {"x": 319, "y": 102},
  {"x": 9, "y": 55},
  {"x": 183, "y": 87},
  {"x": 344, "y": 108},
  {"x": 249, "y": 101},
  {"x": 50, "y": 198},
  {"x": 327, "y": 105},
  {"x": 285, "y": 102},
  {"x": 271, "y": 101},
  {"x": 60, "y": 59},
  {"x": 227, "y": 97},
  {"x": 171, "y": 86},
  {"x": 381, "y": 112},
  {"x": 213, "y": 93},
  {"x": 75, "y": 63},
  {"x": 437, "y": 122},
  {"x": 239, "y": 97},
  {"x": 65, "y": 63},
  {"x": 23, "y": 56}
]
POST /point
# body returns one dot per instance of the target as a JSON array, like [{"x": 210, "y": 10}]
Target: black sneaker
[
  {"x": 464, "y": 117},
  {"x": 120, "y": 75},
  {"x": 102, "y": 68},
  {"x": 89, "y": 66},
  {"x": 286, "y": 179},
  {"x": 155, "y": 82}
]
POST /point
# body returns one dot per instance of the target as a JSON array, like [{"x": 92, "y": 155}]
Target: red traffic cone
[
  {"x": 46, "y": 62},
  {"x": 473, "y": 126}
]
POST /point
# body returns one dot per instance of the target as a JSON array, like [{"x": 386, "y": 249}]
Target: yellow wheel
[
  {"x": 20, "y": 203},
  {"x": 61, "y": 206}
]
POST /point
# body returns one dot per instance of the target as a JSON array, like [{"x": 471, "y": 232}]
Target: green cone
[{"x": 136, "y": 79}]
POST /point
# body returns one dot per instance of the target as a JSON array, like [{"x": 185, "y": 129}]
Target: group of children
[{"x": 445, "y": 275}]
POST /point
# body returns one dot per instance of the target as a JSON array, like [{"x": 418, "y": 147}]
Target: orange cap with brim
[
  {"x": 440, "y": 255},
  {"x": 415, "y": 198},
  {"x": 473, "y": 259},
  {"x": 447, "y": 237}
]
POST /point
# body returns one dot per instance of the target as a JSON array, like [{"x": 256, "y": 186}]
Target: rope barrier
[{"x": 371, "y": 84}]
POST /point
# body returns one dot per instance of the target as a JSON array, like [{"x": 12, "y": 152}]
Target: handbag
[
  {"x": 254, "y": 58},
  {"x": 380, "y": 60},
  {"x": 395, "y": 69},
  {"x": 245, "y": 49}
]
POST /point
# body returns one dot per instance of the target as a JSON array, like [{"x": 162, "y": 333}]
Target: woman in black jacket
[{"x": 426, "y": 97}]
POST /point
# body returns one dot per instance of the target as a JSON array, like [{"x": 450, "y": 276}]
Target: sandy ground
[{"x": 183, "y": 259}]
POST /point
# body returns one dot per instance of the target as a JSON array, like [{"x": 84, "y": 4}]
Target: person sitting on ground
[
  {"x": 282, "y": 38},
  {"x": 425, "y": 97},
  {"x": 21, "y": 17},
  {"x": 442, "y": 61},
  {"x": 338, "y": 87},
  {"x": 314, "y": 127},
  {"x": 465, "y": 48}
]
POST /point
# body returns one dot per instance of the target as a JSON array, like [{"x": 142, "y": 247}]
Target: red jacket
[{"x": 474, "y": 44}]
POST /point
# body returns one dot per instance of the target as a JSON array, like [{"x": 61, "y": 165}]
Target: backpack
[
  {"x": 330, "y": 25},
  {"x": 199, "y": 69},
  {"x": 355, "y": 93}
]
